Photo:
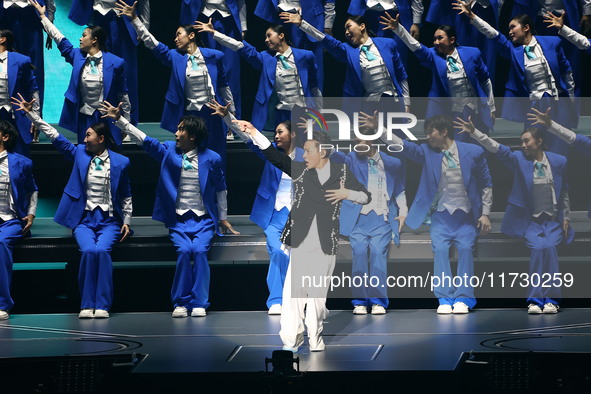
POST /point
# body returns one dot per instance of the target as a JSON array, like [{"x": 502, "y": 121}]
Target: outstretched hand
[
  {"x": 22, "y": 104},
  {"x": 369, "y": 121},
  {"x": 109, "y": 111},
  {"x": 464, "y": 8},
  {"x": 464, "y": 126},
  {"x": 203, "y": 27},
  {"x": 122, "y": 8},
  {"x": 38, "y": 7},
  {"x": 389, "y": 22},
  {"x": 218, "y": 109},
  {"x": 553, "y": 20},
  {"x": 336, "y": 195},
  {"x": 538, "y": 117},
  {"x": 290, "y": 17},
  {"x": 246, "y": 127}
]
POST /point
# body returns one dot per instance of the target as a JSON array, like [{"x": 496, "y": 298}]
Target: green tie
[
  {"x": 186, "y": 163},
  {"x": 194, "y": 64},
  {"x": 97, "y": 163},
  {"x": 93, "y": 67},
  {"x": 284, "y": 62},
  {"x": 368, "y": 54},
  {"x": 539, "y": 169},
  {"x": 451, "y": 163},
  {"x": 452, "y": 64},
  {"x": 529, "y": 52}
]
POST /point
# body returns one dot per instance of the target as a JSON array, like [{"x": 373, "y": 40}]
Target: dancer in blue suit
[
  {"x": 20, "y": 18},
  {"x": 440, "y": 12},
  {"x": 410, "y": 11},
  {"x": 572, "y": 36},
  {"x": 229, "y": 18},
  {"x": 197, "y": 77},
  {"x": 537, "y": 209},
  {"x": 319, "y": 13},
  {"x": 372, "y": 227},
  {"x": 16, "y": 77},
  {"x": 539, "y": 70},
  {"x": 97, "y": 75},
  {"x": 121, "y": 36},
  {"x": 190, "y": 201},
  {"x": 18, "y": 205},
  {"x": 288, "y": 75},
  {"x": 455, "y": 195},
  {"x": 272, "y": 203},
  {"x": 458, "y": 72},
  {"x": 374, "y": 68},
  {"x": 96, "y": 205}
]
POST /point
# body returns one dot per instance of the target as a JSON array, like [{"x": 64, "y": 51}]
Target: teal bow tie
[
  {"x": 453, "y": 66},
  {"x": 186, "y": 163},
  {"x": 370, "y": 56},
  {"x": 529, "y": 52},
  {"x": 539, "y": 167},
  {"x": 194, "y": 64},
  {"x": 451, "y": 163},
  {"x": 98, "y": 163},
  {"x": 284, "y": 62}
]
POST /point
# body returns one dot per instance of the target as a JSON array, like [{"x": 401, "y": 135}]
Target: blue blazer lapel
[
  {"x": 115, "y": 173},
  {"x": 527, "y": 169},
  {"x": 83, "y": 166},
  {"x": 203, "y": 161},
  {"x": 107, "y": 74},
  {"x": 465, "y": 164},
  {"x": 271, "y": 68},
  {"x": 518, "y": 52},
  {"x": 386, "y": 57},
  {"x": 180, "y": 68},
  {"x": 211, "y": 64},
  {"x": 353, "y": 55},
  {"x": 302, "y": 69},
  {"x": 550, "y": 55},
  {"x": 436, "y": 158},
  {"x": 557, "y": 171},
  {"x": 441, "y": 68},
  {"x": 14, "y": 168},
  {"x": 12, "y": 67}
]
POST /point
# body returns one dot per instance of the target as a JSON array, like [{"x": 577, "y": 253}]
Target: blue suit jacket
[
  {"x": 174, "y": 101},
  {"x": 211, "y": 179},
  {"x": 583, "y": 145},
  {"x": 573, "y": 12},
  {"x": 190, "y": 10},
  {"x": 42, "y": 2},
  {"x": 20, "y": 170},
  {"x": 440, "y": 12},
  {"x": 516, "y": 87},
  {"x": 475, "y": 69},
  {"x": 71, "y": 207},
  {"x": 359, "y": 167},
  {"x": 520, "y": 202},
  {"x": 267, "y": 63},
  {"x": 21, "y": 79},
  {"x": 474, "y": 171},
  {"x": 264, "y": 201},
  {"x": 345, "y": 53},
  {"x": 358, "y": 7},
  {"x": 312, "y": 12},
  {"x": 81, "y": 14},
  {"x": 113, "y": 83}
]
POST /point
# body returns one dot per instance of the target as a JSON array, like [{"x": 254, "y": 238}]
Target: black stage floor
[{"x": 238, "y": 342}]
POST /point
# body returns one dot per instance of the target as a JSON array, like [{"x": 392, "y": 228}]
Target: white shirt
[
  {"x": 211, "y": 6},
  {"x": 387, "y": 5}
]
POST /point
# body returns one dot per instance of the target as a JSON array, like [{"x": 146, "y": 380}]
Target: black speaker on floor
[
  {"x": 66, "y": 374},
  {"x": 524, "y": 372}
]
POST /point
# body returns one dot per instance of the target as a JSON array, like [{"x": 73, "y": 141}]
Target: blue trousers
[
  {"x": 231, "y": 59},
  {"x": 120, "y": 43},
  {"x": 191, "y": 236},
  {"x": 278, "y": 260},
  {"x": 28, "y": 39},
  {"x": 96, "y": 234},
  {"x": 371, "y": 237},
  {"x": 460, "y": 230},
  {"x": 21, "y": 146},
  {"x": 10, "y": 233},
  {"x": 542, "y": 238}
]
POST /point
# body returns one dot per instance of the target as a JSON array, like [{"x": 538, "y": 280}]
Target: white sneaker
[
  {"x": 360, "y": 310},
  {"x": 317, "y": 345},
  {"x": 101, "y": 314},
  {"x": 460, "y": 308},
  {"x": 126, "y": 139},
  {"x": 86, "y": 314},
  {"x": 378, "y": 310},
  {"x": 180, "y": 311},
  {"x": 534, "y": 309},
  {"x": 444, "y": 309},
  {"x": 230, "y": 137},
  {"x": 3, "y": 315},
  {"x": 550, "y": 308},
  {"x": 275, "y": 309},
  {"x": 198, "y": 312},
  {"x": 291, "y": 349}
]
